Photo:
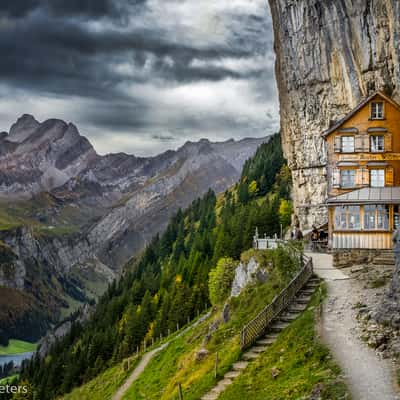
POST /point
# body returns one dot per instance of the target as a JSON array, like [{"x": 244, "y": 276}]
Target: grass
[
  {"x": 17, "y": 347},
  {"x": 8, "y": 379},
  {"x": 302, "y": 362},
  {"x": 178, "y": 364},
  {"x": 104, "y": 386}
]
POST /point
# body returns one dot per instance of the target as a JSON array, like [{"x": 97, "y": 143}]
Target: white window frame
[
  {"x": 377, "y": 177},
  {"x": 376, "y": 218},
  {"x": 377, "y": 110},
  {"x": 374, "y": 143},
  {"x": 347, "y": 218},
  {"x": 345, "y": 181},
  {"x": 348, "y": 147}
]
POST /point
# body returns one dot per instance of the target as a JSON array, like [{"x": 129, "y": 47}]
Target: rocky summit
[{"x": 77, "y": 217}]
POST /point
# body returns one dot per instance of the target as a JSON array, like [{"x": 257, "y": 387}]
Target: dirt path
[
  {"x": 147, "y": 358},
  {"x": 368, "y": 377},
  {"x": 137, "y": 371}
]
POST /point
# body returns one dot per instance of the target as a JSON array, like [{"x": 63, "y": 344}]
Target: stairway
[
  {"x": 281, "y": 323},
  {"x": 385, "y": 258}
]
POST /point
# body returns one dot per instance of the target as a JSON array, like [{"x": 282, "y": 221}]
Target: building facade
[{"x": 363, "y": 174}]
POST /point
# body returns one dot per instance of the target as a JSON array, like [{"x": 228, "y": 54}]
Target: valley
[{"x": 70, "y": 218}]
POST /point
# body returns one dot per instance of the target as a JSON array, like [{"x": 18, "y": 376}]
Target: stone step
[
  {"x": 258, "y": 349},
  {"x": 384, "y": 261},
  {"x": 278, "y": 327},
  {"x": 312, "y": 285},
  {"x": 221, "y": 385},
  {"x": 240, "y": 365},
  {"x": 307, "y": 292},
  {"x": 232, "y": 374},
  {"x": 289, "y": 317},
  {"x": 210, "y": 396},
  {"x": 250, "y": 355},
  {"x": 302, "y": 300},
  {"x": 266, "y": 341},
  {"x": 296, "y": 308}
]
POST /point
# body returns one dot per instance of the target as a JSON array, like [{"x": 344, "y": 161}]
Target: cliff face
[{"x": 330, "y": 54}]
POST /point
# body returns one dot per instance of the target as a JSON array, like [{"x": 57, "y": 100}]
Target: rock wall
[{"x": 330, "y": 54}]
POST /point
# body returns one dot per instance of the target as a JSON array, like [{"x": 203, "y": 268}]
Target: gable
[{"x": 359, "y": 117}]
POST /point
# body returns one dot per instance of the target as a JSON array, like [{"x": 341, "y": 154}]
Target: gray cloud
[{"x": 150, "y": 72}]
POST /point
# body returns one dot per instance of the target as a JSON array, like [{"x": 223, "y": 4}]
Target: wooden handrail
[{"x": 256, "y": 328}]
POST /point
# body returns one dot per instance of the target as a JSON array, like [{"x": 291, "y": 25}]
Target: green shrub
[{"x": 220, "y": 280}]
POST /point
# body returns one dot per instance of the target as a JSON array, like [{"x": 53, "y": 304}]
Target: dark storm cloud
[
  {"x": 94, "y": 8},
  {"x": 129, "y": 58}
]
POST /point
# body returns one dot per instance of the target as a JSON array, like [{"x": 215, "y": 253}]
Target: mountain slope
[
  {"x": 76, "y": 217},
  {"x": 169, "y": 284}
]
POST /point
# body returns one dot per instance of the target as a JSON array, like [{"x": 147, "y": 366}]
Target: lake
[{"x": 17, "y": 358}]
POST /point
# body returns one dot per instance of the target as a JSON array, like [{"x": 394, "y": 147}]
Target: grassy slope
[
  {"x": 103, "y": 386},
  {"x": 8, "y": 380},
  {"x": 17, "y": 347},
  {"x": 303, "y": 363},
  {"x": 303, "y": 360}
]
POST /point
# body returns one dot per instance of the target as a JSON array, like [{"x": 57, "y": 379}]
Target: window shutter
[
  {"x": 337, "y": 147},
  {"x": 359, "y": 143},
  {"x": 365, "y": 177},
  {"x": 336, "y": 178},
  {"x": 389, "y": 176},
  {"x": 366, "y": 144},
  {"x": 388, "y": 142},
  {"x": 359, "y": 177}
]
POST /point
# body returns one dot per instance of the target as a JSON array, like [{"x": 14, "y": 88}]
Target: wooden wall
[
  {"x": 361, "y": 121},
  {"x": 362, "y": 240}
]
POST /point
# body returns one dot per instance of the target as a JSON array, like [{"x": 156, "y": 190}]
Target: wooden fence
[{"x": 257, "y": 327}]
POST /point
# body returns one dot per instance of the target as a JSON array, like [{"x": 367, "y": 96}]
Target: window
[
  {"x": 377, "y": 143},
  {"x": 347, "y": 144},
  {"x": 396, "y": 215},
  {"x": 376, "y": 217},
  {"x": 347, "y": 178},
  {"x": 377, "y": 177},
  {"x": 377, "y": 110},
  {"x": 347, "y": 218}
]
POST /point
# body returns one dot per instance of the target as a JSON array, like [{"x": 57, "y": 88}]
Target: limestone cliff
[{"x": 330, "y": 54}]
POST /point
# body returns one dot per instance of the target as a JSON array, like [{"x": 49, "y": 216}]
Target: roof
[
  {"x": 356, "y": 109},
  {"x": 385, "y": 195}
]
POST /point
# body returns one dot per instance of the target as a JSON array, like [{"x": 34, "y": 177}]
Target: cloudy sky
[{"x": 140, "y": 76}]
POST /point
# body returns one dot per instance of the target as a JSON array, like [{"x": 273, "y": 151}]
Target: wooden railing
[{"x": 257, "y": 327}]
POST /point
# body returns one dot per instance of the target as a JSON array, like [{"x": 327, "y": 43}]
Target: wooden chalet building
[{"x": 363, "y": 170}]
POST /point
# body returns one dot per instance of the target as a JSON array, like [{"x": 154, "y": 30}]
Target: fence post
[
  {"x": 180, "y": 391},
  {"x": 216, "y": 366}
]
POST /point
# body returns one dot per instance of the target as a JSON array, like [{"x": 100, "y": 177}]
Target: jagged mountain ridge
[{"x": 92, "y": 213}]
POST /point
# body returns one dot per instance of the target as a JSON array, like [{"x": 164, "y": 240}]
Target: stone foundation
[{"x": 349, "y": 257}]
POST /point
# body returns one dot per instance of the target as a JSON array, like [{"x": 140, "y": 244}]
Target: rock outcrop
[
  {"x": 330, "y": 55},
  {"x": 247, "y": 273}
]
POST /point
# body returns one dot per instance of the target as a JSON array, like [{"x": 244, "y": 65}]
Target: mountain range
[{"x": 71, "y": 218}]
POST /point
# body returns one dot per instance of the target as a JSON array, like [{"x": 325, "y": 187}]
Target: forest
[{"x": 167, "y": 286}]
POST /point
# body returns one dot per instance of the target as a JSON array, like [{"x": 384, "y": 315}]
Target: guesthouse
[{"x": 363, "y": 171}]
